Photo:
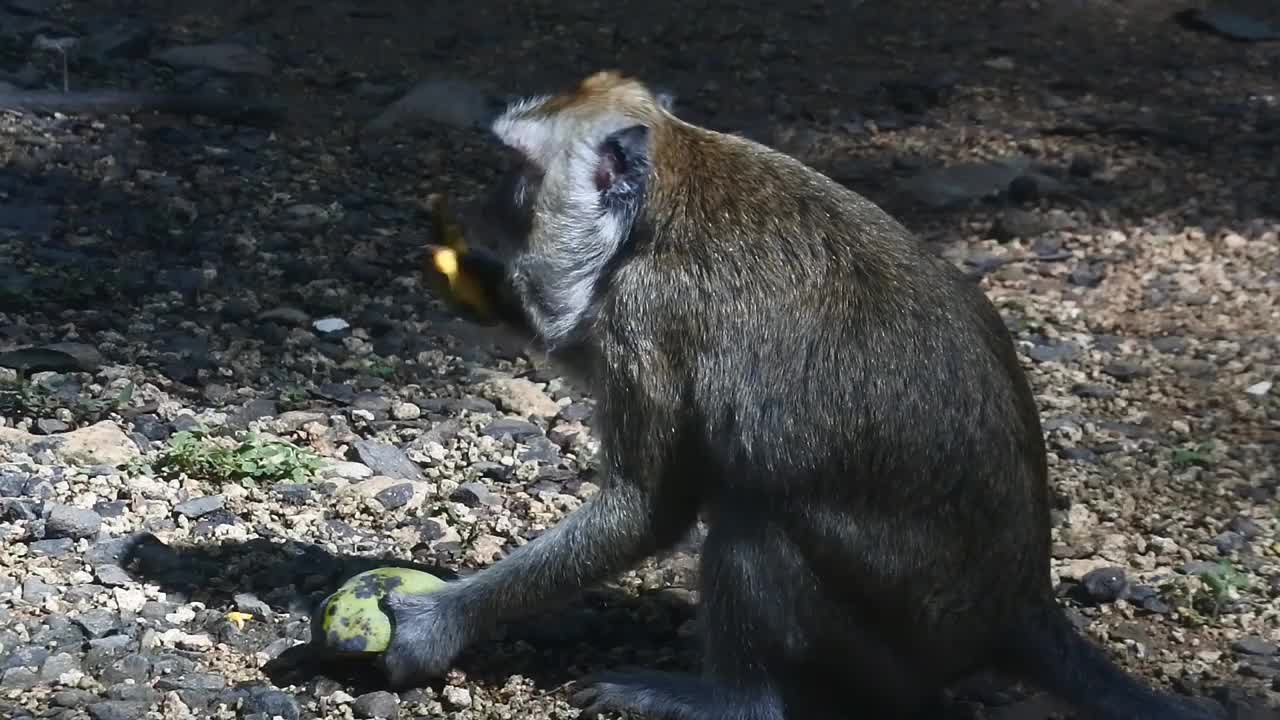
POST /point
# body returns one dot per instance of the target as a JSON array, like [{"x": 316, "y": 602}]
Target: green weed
[{"x": 247, "y": 459}]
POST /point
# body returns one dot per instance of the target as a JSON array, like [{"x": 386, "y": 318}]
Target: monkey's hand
[
  {"x": 428, "y": 632},
  {"x": 466, "y": 280},
  {"x": 460, "y": 279}
]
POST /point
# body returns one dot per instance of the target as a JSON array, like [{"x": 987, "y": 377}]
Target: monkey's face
[
  {"x": 576, "y": 191},
  {"x": 509, "y": 207}
]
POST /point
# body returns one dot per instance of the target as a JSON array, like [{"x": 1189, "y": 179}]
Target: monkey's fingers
[
  {"x": 446, "y": 229},
  {"x": 447, "y": 274}
]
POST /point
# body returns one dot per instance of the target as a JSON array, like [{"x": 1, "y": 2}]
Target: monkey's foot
[
  {"x": 428, "y": 632},
  {"x": 666, "y": 696}
]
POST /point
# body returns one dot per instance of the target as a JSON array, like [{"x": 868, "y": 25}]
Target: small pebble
[
  {"x": 456, "y": 697},
  {"x": 331, "y": 326},
  {"x": 200, "y": 506},
  {"x": 406, "y": 411},
  {"x": 379, "y": 704}
]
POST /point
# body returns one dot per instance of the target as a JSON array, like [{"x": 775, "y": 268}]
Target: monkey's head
[{"x": 583, "y": 165}]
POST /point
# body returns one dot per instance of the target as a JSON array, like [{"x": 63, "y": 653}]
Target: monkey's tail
[{"x": 1052, "y": 654}]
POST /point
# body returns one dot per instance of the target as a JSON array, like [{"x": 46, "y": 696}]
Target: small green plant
[
  {"x": 293, "y": 397},
  {"x": 1224, "y": 580},
  {"x": 1197, "y": 456},
  {"x": 29, "y": 399},
  {"x": 248, "y": 459},
  {"x": 381, "y": 370},
  {"x": 1202, "y": 597}
]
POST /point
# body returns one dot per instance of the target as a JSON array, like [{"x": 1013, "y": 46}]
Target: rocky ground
[{"x": 223, "y": 389}]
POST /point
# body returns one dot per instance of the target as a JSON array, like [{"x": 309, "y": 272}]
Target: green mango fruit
[{"x": 351, "y": 621}]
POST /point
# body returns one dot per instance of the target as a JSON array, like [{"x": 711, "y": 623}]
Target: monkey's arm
[{"x": 635, "y": 515}]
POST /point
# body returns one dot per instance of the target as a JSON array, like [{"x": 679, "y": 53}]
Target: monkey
[{"x": 775, "y": 355}]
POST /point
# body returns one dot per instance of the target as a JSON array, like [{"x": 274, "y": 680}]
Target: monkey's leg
[
  {"x": 746, "y": 578},
  {"x": 620, "y": 526}
]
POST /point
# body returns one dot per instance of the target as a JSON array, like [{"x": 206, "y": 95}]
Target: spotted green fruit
[{"x": 351, "y": 621}]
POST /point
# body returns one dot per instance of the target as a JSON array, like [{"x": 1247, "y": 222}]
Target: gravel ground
[{"x": 237, "y": 392}]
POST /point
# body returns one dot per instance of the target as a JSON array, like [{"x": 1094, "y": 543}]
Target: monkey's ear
[
  {"x": 623, "y": 156},
  {"x": 666, "y": 99}
]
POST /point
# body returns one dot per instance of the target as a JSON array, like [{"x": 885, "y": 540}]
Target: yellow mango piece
[{"x": 351, "y": 620}]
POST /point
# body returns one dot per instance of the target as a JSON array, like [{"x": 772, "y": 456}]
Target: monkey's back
[{"x": 834, "y": 362}]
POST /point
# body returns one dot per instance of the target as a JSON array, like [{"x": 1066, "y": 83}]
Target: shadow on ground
[{"x": 598, "y": 629}]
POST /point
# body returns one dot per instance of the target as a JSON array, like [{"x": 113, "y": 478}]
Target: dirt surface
[{"x": 1117, "y": 195}]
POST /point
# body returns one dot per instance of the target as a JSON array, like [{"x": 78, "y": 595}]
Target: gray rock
[
  {"x": 964, "y": 183},
  {"x": 475, "y": 405},
  {"x": 249, "y": 603},
  {"x": 152, "y": 427},
  {"x": 1062, "y": 352},
  {"x": 576, "y": 412},
  {"x": 1245, "y": 526},
  {"x": 1105, "y": 585},
  {"x": 450, "y": 101},
  {"x": 56, "y": 357},
  {"x": 200, "y": 506},
  {"x": 1078, "y": 454},
  {"x": 255, "y": 409},
  {"x": 379, "y": 704},
  {"x": 35, "y": 590},
  {"x": 395, "y": 496},
  {"x": 1255, "y": 646},
  {"x": 72, "y": 698},
  {"x": 19, "y": 678},
  {"x": 1015, "y": 224},
  {"x": 50, "y": 426},
  {"x": 104, "y": 650},
  {"x": 97, "y": 623},
  {"x": 1093, "y": 391},
  {"x": 371, "y": 402},
  {"x": 118, "y": 710},
  {"x": 55, "y": 666},
  {"x": 331, "y": 327},
  {"x": 1124, "y": 371},
  {"x": 129, "y": 692},
  {"x": 65, "y": 521},
  {"x": 113, "y": 509},
  {"x": 1170, "y": 345},
  {"x": 285, "y": 316},
  {"x": 15, "y": 484},
  {"x": 385, "y": 459},
  {"x": 111, "y": 575},
  {"x": 292, "y": 493},
  {"x": 51, "y": 548},
  {"x": 192, "y": 681},
  {"x": 1228, "y": 23},
  {"x": 541, "y": 450},
  {"x": 33, "y": 8},
  {"x": 515, "y": 428},
  {"x": 29, "y": 657},
  {"x": 154, "y": 610},
  {"x": 1229, "y": 542},
  {"x": 1087, "y": 274},
  {"x": 125, "y": 39},
  {"x": 130, "y": 667},
  {"x": 102, "y": 443},
  {"x": 474, "y": 494},
  {"x": 271, "y": 703},
  {"x": 226, "y": 58}
]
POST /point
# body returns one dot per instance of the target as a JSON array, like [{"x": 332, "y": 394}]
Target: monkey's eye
[
  {"x": 520, "y": 192},
  {"x": 525, "y": 188}
]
